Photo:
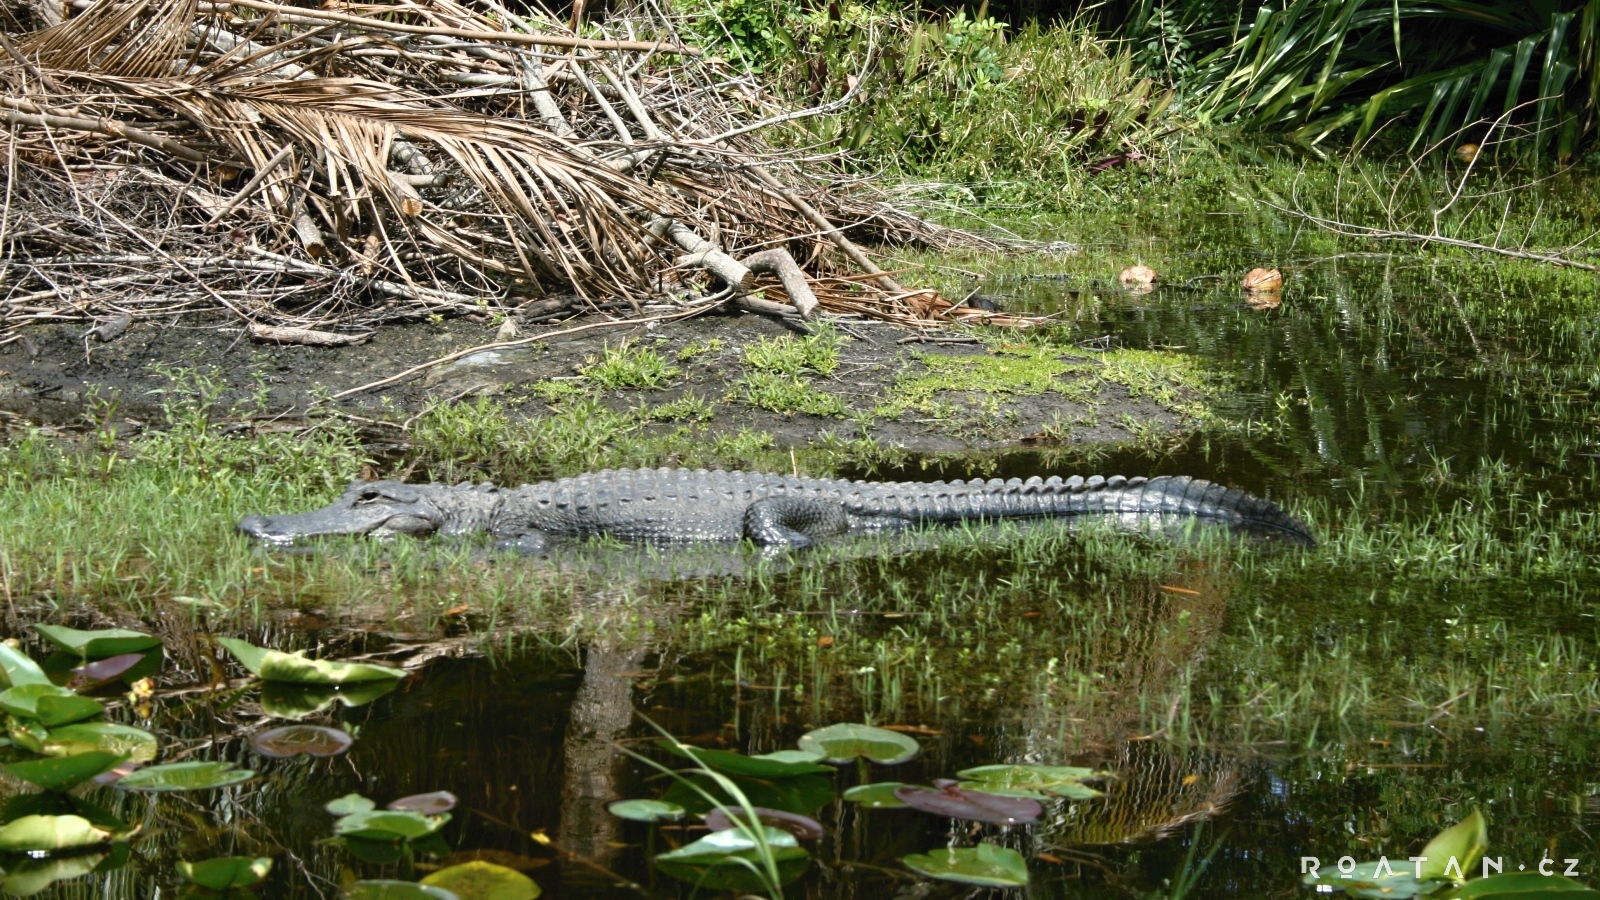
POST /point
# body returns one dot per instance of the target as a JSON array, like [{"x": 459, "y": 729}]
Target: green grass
[
  {"x": 789, "y": 394},
  {"x": 629, "y": 366},
  {"x": 787, "y": 355}
]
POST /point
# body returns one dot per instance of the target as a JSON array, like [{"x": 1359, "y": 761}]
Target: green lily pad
[
  {"x": 478, "y": 880},
  {"x": 387, "y": 825},
  {"x": 33, "y": 876},
  {"x": 124, "y": 740},
  {"x": 1519, "y": 886},
  {"x": 382, "y": 889},
  {"x": 349, "y": 804},
  {"x": 16, "y": 669},
  {"x": 1397, "y": 882},
  {"x": 51, "y": 833},
  {"x": 843, "y": 742},
  {"x": 875, "y": 796},
  {"x": 732, "y": 763},
  {"x": 1464, "y": 841},
  {"x": 719, "y": 860},
  {"x": 50, "y": 704},
  {"x": 227, "y": 872},
  {"x": 294, "y": 668},
  {"x": 61, "y": 773},
  {"x": 100, "y": 643},
  {"x": 646, "y": 810},
  {"x": 185, "y": 776},
  {"x": 1035, "y": 782},
  {"x": 985, "y": 864},
  {"x": 804, "y": 795},
  {"x": 296, "y": 701}
]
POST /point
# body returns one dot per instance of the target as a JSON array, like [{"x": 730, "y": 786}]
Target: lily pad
[
  {"x": 646, "y": 810},
  {"x": 293, "y": 740},
  {"x": 383, "y": 889},
  {"x": 986, "y": 865},
  {"x": 50, "y": 704},
  {"x": 804, "y": 828},
  {"x": 100, "y": 643},
  {"x": 719, "y": 860},
  {"x": 17, "y": 669},
  {"x": 104, "y": 671},
  {"x": 296, "y": 701},
  {"x": 1036, "y": 782},
  {"x": 32, "y": 876},
  {"x": 51, "y": 833},
  {"x": 387, "y": 825},
  {"x": 484, "y": 881},
  {"x": 732, "y": 763},
  {"x": 876, "y": 796},
  {"x": 430, "y": 804},
  {"x": 948, "y": 799},
  {"x": 1464, "y": 842},
  {"x": 1396, "y": 882},
  {"x": 843, "y": 742},
  {"x": 227, "y": 872},
  {"x": 294, "y": 668},
  {"x": 185, "y": 776},
  {"x": 349, "y": 804},
  {"x": 1519, "y": 886},
  {"x": 61, "y": 773},
  {"x": 805, "y": 794},
  {"x": 124, "y": 740}
]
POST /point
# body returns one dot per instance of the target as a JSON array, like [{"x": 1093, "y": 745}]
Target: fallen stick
[
  {"x": 702, "y": 252},
  {"x": 251, "y": 185},
  {"x": 16, "y": 115},
  {"x": 777, "y": 261},
  {"x": 295, "y": 13},
  {"x": 521, "y": 342},
  {"x": 849, "y": 247},
  {"x": 306, "y": 336}
]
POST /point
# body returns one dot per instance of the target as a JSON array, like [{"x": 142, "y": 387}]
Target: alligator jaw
[{"x": 284, "y": 530}]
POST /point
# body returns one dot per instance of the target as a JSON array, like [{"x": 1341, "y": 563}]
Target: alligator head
[{"x": 378, "y": 508}]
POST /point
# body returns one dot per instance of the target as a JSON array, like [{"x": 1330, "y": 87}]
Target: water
[{"x": 1436, "y": 655}]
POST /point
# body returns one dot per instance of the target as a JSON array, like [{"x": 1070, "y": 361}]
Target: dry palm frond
[{"x": 396, "y": 160}]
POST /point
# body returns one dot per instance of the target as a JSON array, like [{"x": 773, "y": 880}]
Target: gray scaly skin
[{"x": 675, "y": 506}]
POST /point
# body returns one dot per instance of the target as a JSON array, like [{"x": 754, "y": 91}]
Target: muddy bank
[{"x": 987, "y": 392}]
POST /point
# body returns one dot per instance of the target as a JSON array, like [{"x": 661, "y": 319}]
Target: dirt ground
[{"x": 55, "y": 374}]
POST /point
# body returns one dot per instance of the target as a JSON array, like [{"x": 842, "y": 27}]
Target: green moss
[{"x": 982, "y": 383}]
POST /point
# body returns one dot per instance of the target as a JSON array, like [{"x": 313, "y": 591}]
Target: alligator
[{"x": 678, "y": 506}]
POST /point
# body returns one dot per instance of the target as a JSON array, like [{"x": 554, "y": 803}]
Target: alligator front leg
[{"x": 793, "y": 521}]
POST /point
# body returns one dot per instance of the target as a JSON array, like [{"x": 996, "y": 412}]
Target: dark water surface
[{"x": 1436, "y": 655}]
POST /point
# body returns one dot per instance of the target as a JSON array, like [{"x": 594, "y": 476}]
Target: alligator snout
[{"x": 260, "y": 528}]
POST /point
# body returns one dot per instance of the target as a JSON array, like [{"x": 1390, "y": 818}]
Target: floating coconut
[
  {"x": 1137, "y": 276},
  {"x": 1263, "y": 281}
]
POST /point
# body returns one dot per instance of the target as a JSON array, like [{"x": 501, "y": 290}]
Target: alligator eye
[{"x": 369, "y": 496}]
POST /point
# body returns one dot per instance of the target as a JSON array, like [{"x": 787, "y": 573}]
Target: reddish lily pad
[
  {"x": 104, "y": 671},
  {"x": 293, "y": 740},
  {"x": 947, "y": 798},
  {"x": 430, "y": 804},
  {"x": 803, "y": 827}
]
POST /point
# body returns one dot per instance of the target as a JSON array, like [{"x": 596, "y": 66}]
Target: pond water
[{"x": 1434, "y": 656}]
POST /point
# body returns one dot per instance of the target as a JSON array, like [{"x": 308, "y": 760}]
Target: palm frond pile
[{"x": 308, "y": 167}]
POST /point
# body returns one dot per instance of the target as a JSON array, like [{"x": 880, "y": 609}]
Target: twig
[
  {"x": 502, "y": 345},
  {"x": 17, "y": 115},
  {"x": 251, "y": 185},
  {"x": 300, "y": 14}
]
